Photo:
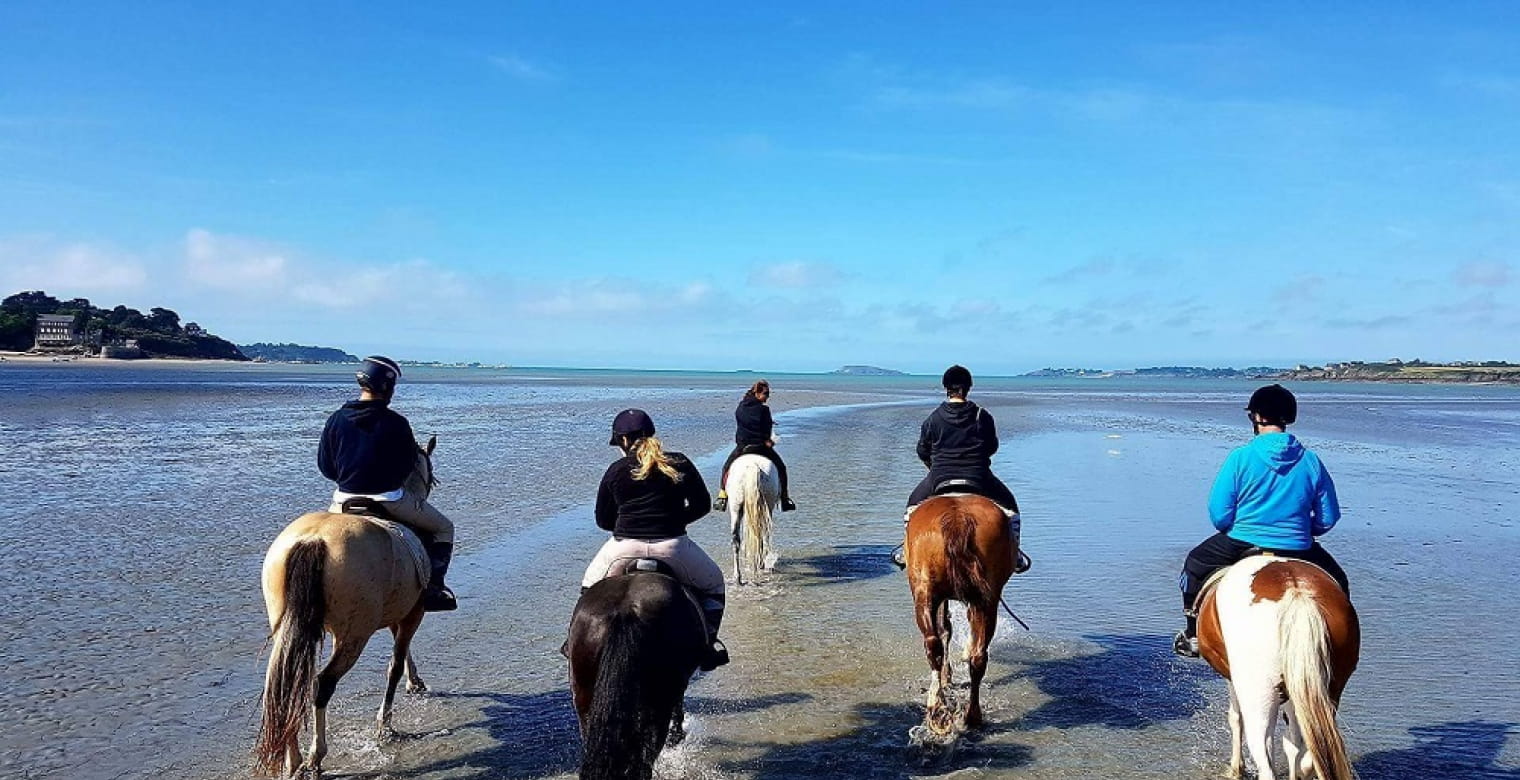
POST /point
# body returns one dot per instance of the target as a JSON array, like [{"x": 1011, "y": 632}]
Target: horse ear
[{"x": 431, "y": 445}]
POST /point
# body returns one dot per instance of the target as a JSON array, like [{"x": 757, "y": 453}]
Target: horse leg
[
  {"x": 677, "y": 725},
  {"x": 345, "y": 654},
  {"x": 400, "y": 652},
  {"x": 946, "y": 629},
  {"x": 934, "y": 648},
  {"x": 983, "y": 626},
  {"x": 736, "y": 526},
  {"x": 1258, "y": 713},
  {"x": 1300, "y": 765},
  {"x": 1237, "y": 758},
  {"x": 414, "y": 683}
]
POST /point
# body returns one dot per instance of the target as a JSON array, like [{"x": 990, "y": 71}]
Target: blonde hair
[{"x": 651, "y": 455}]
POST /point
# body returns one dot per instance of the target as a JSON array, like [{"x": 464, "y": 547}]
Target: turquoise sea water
[{"x": 138, "y": 501}]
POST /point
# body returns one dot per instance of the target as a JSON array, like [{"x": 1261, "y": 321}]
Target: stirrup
[
  {"x": 1021, "y": 563},
  {"x": 720, "y": 504},
  {"x": 1184, "y": 645},
  {"x": 900, "y": 557},
  {"x": 438, "y": 599},
  {"x": 717, "y": 655}
]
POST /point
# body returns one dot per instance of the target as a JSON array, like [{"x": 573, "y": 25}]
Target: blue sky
[{"x": 779, "y": 187}]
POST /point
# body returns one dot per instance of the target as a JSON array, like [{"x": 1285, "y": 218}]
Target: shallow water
[{"x": 139, "y": 514}]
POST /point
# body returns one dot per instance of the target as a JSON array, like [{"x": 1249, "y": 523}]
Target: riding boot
[
  {"x": 438, "y": 597},
  {"x": 717, "y": 653},
  {"x": 1185, "y": 643},
  {"x": 1021, "y": 562},
  {"x": 900, "y": 553}
]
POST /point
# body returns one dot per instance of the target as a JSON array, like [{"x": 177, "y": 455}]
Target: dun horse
[
  {"x": 756, "y": 494},
  {"x": 1279, "y": 628},
  {"x": 348, "y": 576},
  {"x": 635, "y": 641},
  {"x": 958, "y": 549}
]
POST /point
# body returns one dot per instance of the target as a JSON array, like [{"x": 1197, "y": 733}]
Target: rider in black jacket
[
  {"x": 957, "y": 442},
  {"x": 369, "y": 450},
  {"x": 754, "y": 435}
]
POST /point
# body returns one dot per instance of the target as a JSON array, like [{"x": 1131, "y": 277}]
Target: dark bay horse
[
  {"x": 635, "y": 641},
  {"x": 959, "y": 548},
  {"x": 1278, "y": 628},
  {"x": 348, "y": 576}
]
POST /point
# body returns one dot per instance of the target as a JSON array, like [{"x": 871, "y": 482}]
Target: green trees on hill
[{"x": 158, "y": 333}]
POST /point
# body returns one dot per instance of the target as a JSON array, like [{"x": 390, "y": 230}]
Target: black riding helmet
[
  {"x": 1275, "y": 404},
  {"x": 957, "y": 378},
  {"x": 378, "y": 374},
  {"x": 633, "y": 423}
]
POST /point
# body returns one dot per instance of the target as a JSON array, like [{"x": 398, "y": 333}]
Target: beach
[{"x": 141, "y": 497}]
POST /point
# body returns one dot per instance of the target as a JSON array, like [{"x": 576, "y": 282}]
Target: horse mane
[{"x": 968, "y": 576}]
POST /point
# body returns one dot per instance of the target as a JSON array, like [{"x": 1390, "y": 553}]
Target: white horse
[
  {"x": 754, "y": 495},
  {"x": 1277, "y": 629}
]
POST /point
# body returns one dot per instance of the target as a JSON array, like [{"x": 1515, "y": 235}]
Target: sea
[{"x": 137, "y": 500}]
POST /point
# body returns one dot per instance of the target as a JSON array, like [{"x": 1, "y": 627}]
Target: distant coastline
[{"x": 1395, "y": 370}]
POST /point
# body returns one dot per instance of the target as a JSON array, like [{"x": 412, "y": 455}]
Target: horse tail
[
  {"x": 296, "y": 639},
  {"x": 968, "y": 576},
  {"x": 1304, "y": 642},
  {"x": 757, "y": 519},
  {"x": 630, "y": 708}
]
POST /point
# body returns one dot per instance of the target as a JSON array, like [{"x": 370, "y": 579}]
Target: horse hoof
[
  {"x": 974, "y": 721},
  {"x": 418, "y": 687}
]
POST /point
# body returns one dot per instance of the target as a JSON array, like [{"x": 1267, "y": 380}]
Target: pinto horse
[
  {"x": 348, "y": 576},
  {"x": 635, "y": 641},
  {"x": 959, "y": 548},
  {"x": 755, "y": 494},
  {"x": 1284, "y": 635}
]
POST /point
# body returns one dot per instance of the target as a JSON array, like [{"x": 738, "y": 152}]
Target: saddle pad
[{"x": 404, "y": 538}]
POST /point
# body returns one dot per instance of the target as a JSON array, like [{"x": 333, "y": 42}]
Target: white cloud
[
  {"x": 1483, "y": 274},
  {"x": 795, "y": 275},
  {"x": 521, "y": 69},
  {"x": 67, "y": 270},
  {"x": 232, "y": 262}
]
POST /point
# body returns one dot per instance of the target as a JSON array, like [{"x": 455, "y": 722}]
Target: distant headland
[
  {"x": 867, "y": 371},
  {"x": 34, "y": 321},
  {"x": 295, "y": 353}
]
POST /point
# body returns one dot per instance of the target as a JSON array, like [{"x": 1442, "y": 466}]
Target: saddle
[
  {"x": 364, "y": 506},
  {"x": 1213, "y": 580},
  {"x": 964, "y": 486},
  {"x": 411, "y": 540},
  {"x": 632, "y": 566}
]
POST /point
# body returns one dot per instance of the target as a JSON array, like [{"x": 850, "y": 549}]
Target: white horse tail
[
  {"x": 757, "y": 520},
  {"x": 1305, "y": 651}
]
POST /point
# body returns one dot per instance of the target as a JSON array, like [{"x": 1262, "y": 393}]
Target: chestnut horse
[
  {"x": 959, "y": 548},
  {"x": 348, "y": 576},
  {"x": 754, "y": 495},
  {"x": 635, "y": 641},
  {"x": 1278, "y": 628}
]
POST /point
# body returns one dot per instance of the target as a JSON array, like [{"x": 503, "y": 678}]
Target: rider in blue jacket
[{"x": 1271, "y": 495}]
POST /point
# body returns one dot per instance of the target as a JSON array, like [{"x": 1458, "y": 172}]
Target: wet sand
[{"x": 143, "y": 659}]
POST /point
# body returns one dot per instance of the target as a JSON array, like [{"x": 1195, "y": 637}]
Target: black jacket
[
  {"x": 958, "y": 439},
  {"x": 653, "y": 507},
  {"x": 367, "y": 448},
  {"x": 754, "y": 419}
]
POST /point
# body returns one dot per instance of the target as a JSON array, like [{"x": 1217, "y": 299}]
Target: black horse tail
[
  {"x": 968, "y": 577},
  {"x": 632, "y": 705},
  {"x": 296, "y": 639}
]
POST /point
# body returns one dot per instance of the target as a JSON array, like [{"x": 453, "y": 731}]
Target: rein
[{"x": 1010, "y": 613}]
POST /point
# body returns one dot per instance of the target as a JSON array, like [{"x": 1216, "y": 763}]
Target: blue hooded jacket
[{"x": 1275, "y": 494}]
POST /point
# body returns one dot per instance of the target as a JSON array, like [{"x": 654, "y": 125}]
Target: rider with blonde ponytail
[{"x": 646, "y": 499}]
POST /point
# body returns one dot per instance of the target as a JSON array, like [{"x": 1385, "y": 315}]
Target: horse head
[{"x": 423, "y": 479}]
